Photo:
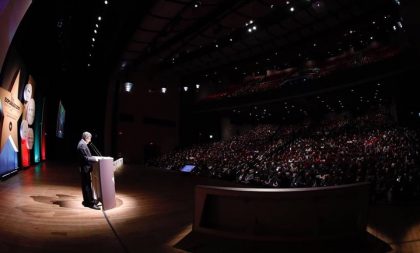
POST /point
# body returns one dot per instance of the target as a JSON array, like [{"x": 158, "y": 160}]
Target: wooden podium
[{"x": 103, "y": 183}]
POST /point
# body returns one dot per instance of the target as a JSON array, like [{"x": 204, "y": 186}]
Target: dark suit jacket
[{"x": 85, "y": 156}]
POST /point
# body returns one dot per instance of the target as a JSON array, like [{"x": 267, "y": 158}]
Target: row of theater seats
[
  {"x": 369, "y": 147},
  {"x": 280, "y": 78}
]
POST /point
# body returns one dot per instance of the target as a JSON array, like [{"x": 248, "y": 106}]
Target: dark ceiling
[
  {"x": 189, "y": 39},
  {"x": 192, "y": 38}
]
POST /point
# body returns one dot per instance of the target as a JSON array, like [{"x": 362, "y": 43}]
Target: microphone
[{"x": 95, "y": 149}]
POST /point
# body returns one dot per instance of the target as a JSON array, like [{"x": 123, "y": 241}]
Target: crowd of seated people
[
  {"x": 334, "y": 151},
  {"x": 277, "y": 79}
]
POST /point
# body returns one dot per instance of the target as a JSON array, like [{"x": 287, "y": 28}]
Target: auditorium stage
[{"x": 41, "y": 211}]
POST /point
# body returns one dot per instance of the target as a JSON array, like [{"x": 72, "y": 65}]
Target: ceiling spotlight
[
  {"x": 197, "y": 4},
  {"x": 197, "y": 86},
  {"x": 95, "y": 31},
  {"x": 185, "y": 88},
  {"x": 128, "y": 86},
  {"x": 93, "y": 39},
  {"x": 106, "y": 2},
  {"x": 292, "y": 9},
  {"x": 163, "y": 90},
  {"x": 96, "y": 25},
  {"x": 99, "y": 18}
]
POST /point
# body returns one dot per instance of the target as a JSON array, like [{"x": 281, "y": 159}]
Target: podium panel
[{"x": 103, "y": 183}]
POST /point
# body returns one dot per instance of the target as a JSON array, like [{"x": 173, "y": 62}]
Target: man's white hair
[{"x": 86, "y": 135}]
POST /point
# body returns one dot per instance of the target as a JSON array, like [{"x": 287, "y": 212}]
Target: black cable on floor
[{"x": 115, "y": 232}]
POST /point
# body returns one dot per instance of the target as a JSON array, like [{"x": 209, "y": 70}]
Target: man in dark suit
[{"x": 86, "y": 160}]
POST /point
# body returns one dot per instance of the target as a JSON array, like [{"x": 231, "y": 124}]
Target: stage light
[
  {"x": 185, "y": 88},
  {"x": 163, "y": 90},
  {"x": 128, "y": 86},
  {"x": 197, "y": 4}
]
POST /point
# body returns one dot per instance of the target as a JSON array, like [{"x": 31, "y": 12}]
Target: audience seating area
[
  {"x": 278, "y": 79},
  {"x": 341, "y": 150}
]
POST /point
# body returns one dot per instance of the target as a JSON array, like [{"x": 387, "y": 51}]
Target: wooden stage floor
[{"x": 41, "y": 211}]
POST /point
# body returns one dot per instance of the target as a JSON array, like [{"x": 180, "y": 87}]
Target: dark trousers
[{"x": 86, "y": 187}]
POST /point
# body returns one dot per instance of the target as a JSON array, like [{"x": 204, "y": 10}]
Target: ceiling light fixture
[{"x": 128, "y": 86}]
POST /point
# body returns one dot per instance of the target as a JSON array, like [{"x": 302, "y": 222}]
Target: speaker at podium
[{"x": 103, "y": 182}]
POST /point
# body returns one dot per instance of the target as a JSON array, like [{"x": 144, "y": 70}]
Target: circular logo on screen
[
  {"x": 24, "y": 129},
  {"x": 30, "y": 111},
  {"x": 30, "y": 138},
  {"x": 27, "y": 93}
]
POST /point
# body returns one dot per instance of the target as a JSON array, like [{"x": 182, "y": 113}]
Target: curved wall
[{"x": 298, "y": 214}]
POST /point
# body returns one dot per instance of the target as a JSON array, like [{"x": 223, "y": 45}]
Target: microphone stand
[{"x": 95, "y": 149}]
